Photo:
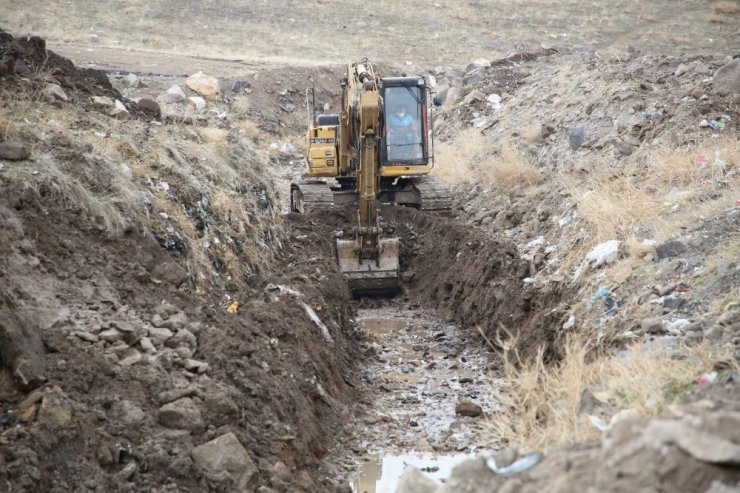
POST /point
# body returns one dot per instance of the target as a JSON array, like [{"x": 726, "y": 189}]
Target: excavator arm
[{"x": 369, "y": 263}]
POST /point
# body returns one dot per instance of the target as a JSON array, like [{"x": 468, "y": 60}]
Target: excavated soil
[{"x": 271, "y": 378}]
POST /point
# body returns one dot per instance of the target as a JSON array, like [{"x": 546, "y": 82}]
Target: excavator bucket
[{"x": 368, "y": 277}]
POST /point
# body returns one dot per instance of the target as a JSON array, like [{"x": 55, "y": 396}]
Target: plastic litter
[
  {"x": 519, "y": 465},
  {"x": 707, "y": 378},
  {"x": 597, "y": 422},
  {"x": 601, "y": 293},
  {"x": 315, "y": 318},
  {"x": 233, "y": 307}
]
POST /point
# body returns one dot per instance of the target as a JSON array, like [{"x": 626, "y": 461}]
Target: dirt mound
[{"x": 40, "y": 66}]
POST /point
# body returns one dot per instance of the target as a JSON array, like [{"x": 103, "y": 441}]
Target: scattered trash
[
  {"x": 287, "y": 148},
  {"x": 720, "y": 123},
  {"x": 233, "y": 307},
  {"x": 597, "y": 422},
  {"x": 601, "y": 293},
  {"x": 315, "y": 319},
  {"x": 339, "y": 438},
  {"x": 519, "y": 465},
  {"x": 707, "y": 378},
  {"x": 612, "y": 306},
  {"x": 570, "y": 323},
  {"x": 700, "y": 160},
  {"x": 683, "y": 288}
]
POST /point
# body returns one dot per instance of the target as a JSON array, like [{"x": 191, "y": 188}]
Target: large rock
[
  {"x": 468, "y": 408},
  {"x": 672, "y": 248},
  {"x": 173, "y": 95},
  {"x": 226, "y": 455},
  {"x": 203, "y": 84},
  {"x": 22, "y": 351},
  {"x": 103, "y": 103},
  {"x": 13, "y": 152},
  {"x": 149, "y": 106},
  {"x": 182, "y": 414},
  {"x": 727, "y": 78},
  {"x": 55, "y": 93},
  {"x": 119, "y": 111}
]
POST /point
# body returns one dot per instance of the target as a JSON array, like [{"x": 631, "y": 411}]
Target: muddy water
[{"x": 422, "y": 368}]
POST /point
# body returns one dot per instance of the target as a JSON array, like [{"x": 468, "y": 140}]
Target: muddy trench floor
[{"x": 417, "y": 368}]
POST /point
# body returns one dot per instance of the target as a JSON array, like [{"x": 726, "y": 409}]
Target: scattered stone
[
  {"x": 454, "y": 96},
  {"x": 134, "y": 81},
  {"x": 159, "y": 335},
  {"x": 130, "y": 357},
  {"x": 149, "y": 106},
  {"x": 680, "y": 70},
  {"x": 577, "y": 137},
  {"x": 173, "y": 95},
  {"x": 226, "y": 454},
  {"x": 468, "y": 408},
  {"x": 22, "y": 351},
  {"x": 726, "y": 79},
  {"x": 414, "y": 481},
  {"x": 111, "y": 335},
  {"x": 240, "y": 85},
  {"x": 103, "y": 102},
  {"x": 85, "y": 336},
  {"x": 55, "y": 410},
  {"x": 175, "y": 394},
  {"x": 130, "y": 416},
  {"x": 671, "y": 248},
  {"x": 119, "y": 111},
  {"x": 195, "y": 366},
  {"x": 13, "y": 152},
  {"x": 55, "y": 93},
  {"x": 673, "y": 302},
  {"x": 147, "y": 346},
  {"x": 203, "y": 84},
  {"x": 171, "y": 272},
  {"x": 652, "y": 326},
  {"x": 182, "y": 414},
  {"x": 474, "y": 96},
  {"x": 197, "y": 102},
  {"x": 174, "y": 322}
]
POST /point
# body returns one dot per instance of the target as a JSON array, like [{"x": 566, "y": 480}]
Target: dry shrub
[
  {"x": 726, "y": 7},
  {"x": 472, "y": 158},
  {"x": 215, "y": 136},
  {"x": 542, "y": 404},
  {"x": 659, "y": 192}
]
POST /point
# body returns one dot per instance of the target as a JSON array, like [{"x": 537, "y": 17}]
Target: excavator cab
[{"x": 405, "y": 135}]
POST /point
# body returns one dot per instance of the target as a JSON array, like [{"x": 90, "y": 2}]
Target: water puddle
[{"x": 382, "y": 476}]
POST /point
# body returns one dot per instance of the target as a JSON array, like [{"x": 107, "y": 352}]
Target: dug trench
[{"x": 116, "y": 410}]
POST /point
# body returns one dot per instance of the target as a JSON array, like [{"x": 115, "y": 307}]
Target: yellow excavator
[{"x": 379, "y": 148}]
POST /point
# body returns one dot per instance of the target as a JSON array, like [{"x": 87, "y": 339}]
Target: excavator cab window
[{"x": 404, "y": 137}]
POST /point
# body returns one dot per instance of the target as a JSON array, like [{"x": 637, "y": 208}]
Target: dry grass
[
  {"x": 471, "y": 157},
  {"x": 542, "y": 404},
  {"x": 659, "y": 192},
  {"x": 726, "y": 7}
]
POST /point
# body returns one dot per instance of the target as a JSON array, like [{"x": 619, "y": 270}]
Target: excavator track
[
  {"x": 310, "y": 195},
  {"x": 425, "y": 193},
  {"x": 434, "y": 196}
]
